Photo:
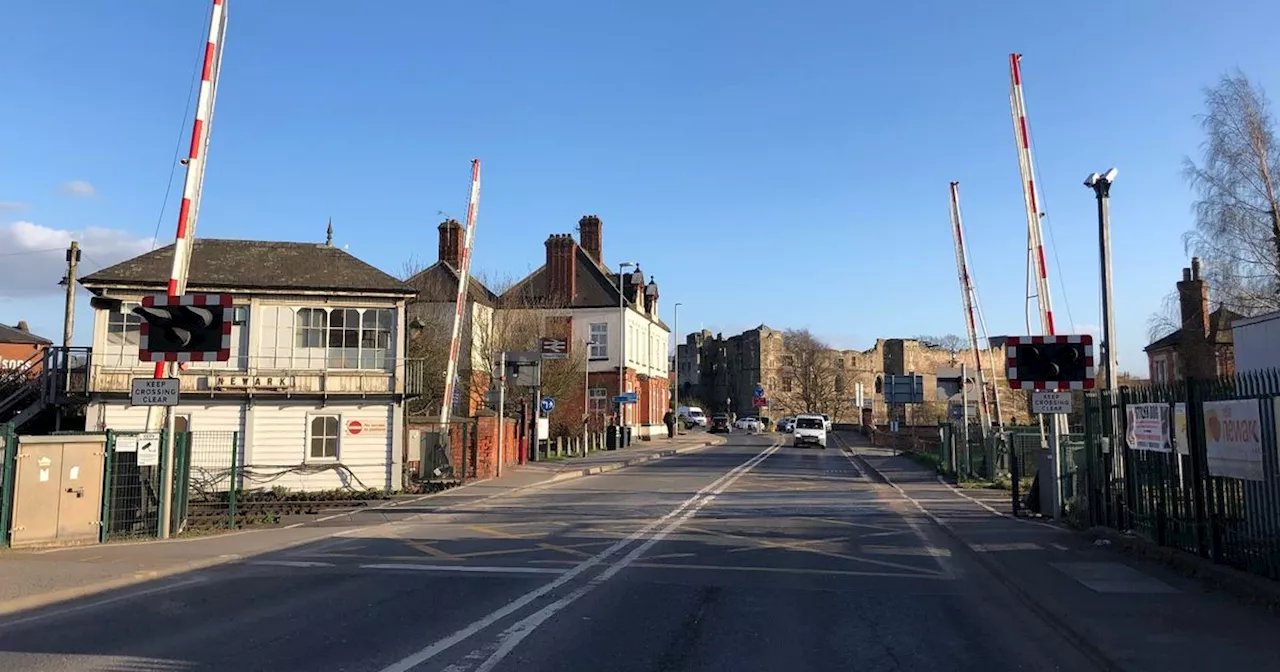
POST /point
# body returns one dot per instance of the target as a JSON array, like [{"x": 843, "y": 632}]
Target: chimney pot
[
  {"x": 1186, "y": 275},
  {"x": 23, "y": 326},
  {"x": 1195, "y": 268}
]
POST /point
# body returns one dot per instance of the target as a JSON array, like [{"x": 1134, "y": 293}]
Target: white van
[
  {"x": 810, "y": 429},
  {"x": 691, "y": 416}
]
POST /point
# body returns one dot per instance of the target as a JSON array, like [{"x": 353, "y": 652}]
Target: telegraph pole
[{"x": 69, "y": 311}]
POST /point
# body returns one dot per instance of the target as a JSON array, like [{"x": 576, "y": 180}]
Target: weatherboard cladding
[{"x": 254, "y": 264}]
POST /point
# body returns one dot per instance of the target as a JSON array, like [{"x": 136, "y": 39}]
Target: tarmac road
[{"x": 747, "y": 556}]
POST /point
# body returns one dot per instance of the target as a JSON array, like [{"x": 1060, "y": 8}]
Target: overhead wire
[{"x": 182, "y": 129}]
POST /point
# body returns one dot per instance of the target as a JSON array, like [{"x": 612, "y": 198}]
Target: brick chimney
[
  {"x": 451, "y": 243},
  {"x": 562, "y": 280},
  {"x": 1193, "y": 300},
  {"x": 23, "y": 326},
  {"x": 1194, "y": 348},
  {"x": 651, "y": 297},
  {"x": 590, "y": 234}
]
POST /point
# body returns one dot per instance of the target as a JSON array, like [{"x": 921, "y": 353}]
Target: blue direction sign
[
  {"x": 548, "y": 404},
  {"x": 759, "y": 390},
  {"x": 628, "y": 398}
]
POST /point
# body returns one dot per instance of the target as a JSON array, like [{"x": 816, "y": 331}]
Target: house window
[
  {"x": 122, "y": 334},
  {"x": 786, "y": 384},
  {"x": 597, "y": 400},
  {"x": 600, "y": 340},
  {"x": 323, "y": 437}
]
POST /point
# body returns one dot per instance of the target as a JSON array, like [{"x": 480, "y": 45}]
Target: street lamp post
[
  {"x": 622, "y": 344},
  {"x": 1101, "y": 186},
  {"x": 675, "y": 390}
]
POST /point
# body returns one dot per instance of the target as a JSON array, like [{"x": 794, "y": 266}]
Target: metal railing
[
  {"x": 8, "y": 456},
  {"x": 1192, "y": 466}
]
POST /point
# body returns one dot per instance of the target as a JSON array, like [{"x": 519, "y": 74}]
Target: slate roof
[
  {"x": 596, "y": 288},
  {"x": 438, "y": 283},
  {"x": 254, "y": 264},
  {"x": 1219, "y": 331},
  {"x": 15, "y": 335}
]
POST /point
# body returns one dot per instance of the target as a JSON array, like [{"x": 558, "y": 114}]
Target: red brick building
[
  {"x": 1203, "y": 346},
  {"x": 17, "y": 348},
  {"x": 580, "y": 295}
]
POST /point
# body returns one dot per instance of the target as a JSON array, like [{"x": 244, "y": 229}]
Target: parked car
[
  {"x": 720, "y": 424},
  {"x": 749, "y": 423},
  {"x": 826, "y": 421},
  {"x": 786, "y": 425},
  {"x": 810, "y": 429}
]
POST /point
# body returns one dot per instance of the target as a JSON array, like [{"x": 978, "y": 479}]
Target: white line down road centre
[{"x": 494, "y": 651}]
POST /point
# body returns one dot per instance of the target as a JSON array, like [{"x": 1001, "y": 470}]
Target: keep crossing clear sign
[{"x": 154, "y": 392}]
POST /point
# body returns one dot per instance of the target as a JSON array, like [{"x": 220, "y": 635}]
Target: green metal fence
[
  {"x": 132, "y": 477},
  {"x": 212, "y": 478},
  {"x": 8, "y": 456},
  {"x": 1190, "y": 494}
]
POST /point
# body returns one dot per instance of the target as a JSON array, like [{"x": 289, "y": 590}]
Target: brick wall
[{"x": 485, "y": 440}]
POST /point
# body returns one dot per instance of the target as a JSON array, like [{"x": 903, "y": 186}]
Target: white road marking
[
  {"x": 498, "y": 569},
  {"x": 944, "y": 563},
  {"x": 288, "y": 563},
  {"x": 510, "y": 638},
  {"x": 521, "y": 602}
]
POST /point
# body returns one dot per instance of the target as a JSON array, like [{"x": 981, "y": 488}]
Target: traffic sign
[
  {"x": 759, "y": 402},
  {"x": 554, "y": 348},
  {"x": 628, "y": 398},
  {"x": 188, "y": 328},
  {"x": 759, "y": 390},
  {"x": 548, "y": 404},
  {"x": 1051, "y": 403},
  {"x": 154, "y": 392},
  {"x": 1049, "y": 362},
  {"x": 908, "y": 389}
]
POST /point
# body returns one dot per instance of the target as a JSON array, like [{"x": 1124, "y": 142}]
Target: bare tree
[
  {"x": 1237, "y": 230},
  {"x": 950, "y": 342},
  {"x": 809, "y": 374}
]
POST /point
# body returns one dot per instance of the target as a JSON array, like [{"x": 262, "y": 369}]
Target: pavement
[
  {"x": 749, "y": 555},
  {"x": 1123, "y": 612}
]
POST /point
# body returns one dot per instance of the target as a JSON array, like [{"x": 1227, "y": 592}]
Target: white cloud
[
  {"x": 34, "y": 259},
  {"x": 13, "y": 206},
  {"x": 78, "y": 188}
]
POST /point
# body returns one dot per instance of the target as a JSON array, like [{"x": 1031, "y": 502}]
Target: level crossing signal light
[
  {"x": 1050, "y": 362},
  {"x": 188, "y": 328}
]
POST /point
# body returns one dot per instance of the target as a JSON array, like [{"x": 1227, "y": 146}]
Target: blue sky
[{"x": 773, "y": 162}]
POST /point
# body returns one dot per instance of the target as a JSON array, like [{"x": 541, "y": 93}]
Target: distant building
[
  {"x": 21, "y": 350},
  {"x": 1203, "y": 347},
  {"x": 723, "y": 373}
]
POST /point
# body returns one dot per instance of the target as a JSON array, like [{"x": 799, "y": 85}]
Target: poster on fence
[
  {"x": 1148, "y": 427},
  {"x": 1180, "y": 441},
  {"x": 1233, "y": 439}
]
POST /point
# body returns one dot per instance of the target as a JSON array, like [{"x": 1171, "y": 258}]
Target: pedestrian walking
[{"x": 670, "y": 421}]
